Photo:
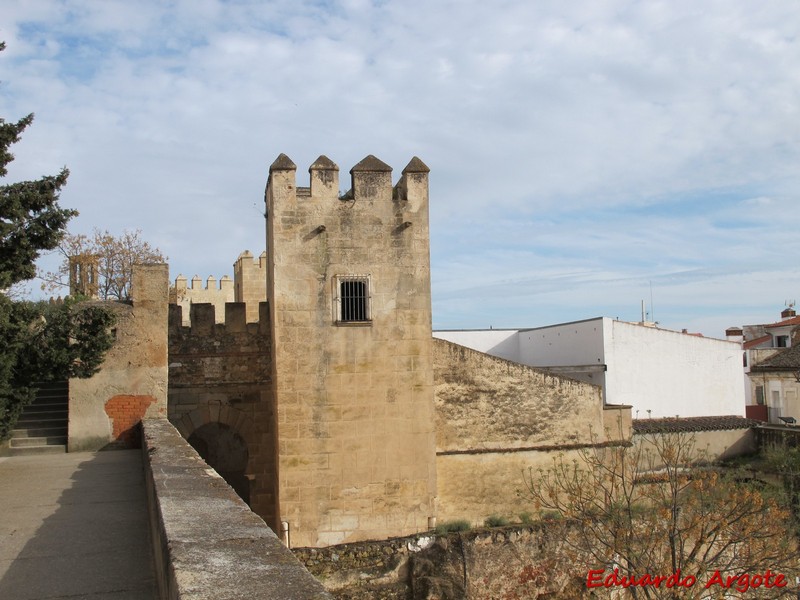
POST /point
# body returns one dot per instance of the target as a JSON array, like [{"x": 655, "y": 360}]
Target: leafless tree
[{"x": 112, "y": 258}]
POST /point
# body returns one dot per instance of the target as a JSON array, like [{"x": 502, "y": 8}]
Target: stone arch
[
  {"x": 219, "y": 435},
  {"x": 226, "y": 452},
  {"x": 234, "y": 418}
]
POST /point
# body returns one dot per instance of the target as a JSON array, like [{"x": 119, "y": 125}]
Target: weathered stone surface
[
  {"x": 135, "y": 367},
  {"x": 509, "y": 562},
  {"x": 495, "y": 420},
  {"x": 354, "y": 400},
  {"x": 221, "y": 379},
  {"x": 483, "y": 402},
  {"x": 208, "y": 544}
]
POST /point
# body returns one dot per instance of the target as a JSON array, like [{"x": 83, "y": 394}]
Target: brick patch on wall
[{"x": 126, "y": 412}]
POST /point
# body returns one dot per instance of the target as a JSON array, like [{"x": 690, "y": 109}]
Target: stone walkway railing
[{"x": 207, "y": 542}]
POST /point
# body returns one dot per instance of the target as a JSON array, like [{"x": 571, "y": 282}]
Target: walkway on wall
[{"x": 75, "y": 526}]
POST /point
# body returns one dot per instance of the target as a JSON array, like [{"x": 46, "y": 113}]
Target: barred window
[{"x": 352, "y": 298}]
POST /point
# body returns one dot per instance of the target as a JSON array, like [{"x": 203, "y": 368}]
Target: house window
[
  {"x": 352, "y": 296},
  {"x": 759, "y": 394},
  {"x": 782, "y": 341}
]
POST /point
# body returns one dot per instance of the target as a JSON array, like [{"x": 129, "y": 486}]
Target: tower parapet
[{"x": 250, "y": 282}]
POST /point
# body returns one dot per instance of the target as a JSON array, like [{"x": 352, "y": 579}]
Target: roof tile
[{"x": 688, "y": 424}]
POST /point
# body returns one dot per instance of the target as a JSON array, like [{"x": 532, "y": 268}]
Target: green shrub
[
  {"x": 495, "y": 521},
  {"x": 525, "y": 518},
  {"x": 451, "y": 526},
  {"x": 550, "y": 515}
]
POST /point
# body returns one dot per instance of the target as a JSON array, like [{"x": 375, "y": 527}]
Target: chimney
[
  {"x": 788, "y": 312},
  {"x": 734, "y": 334}
]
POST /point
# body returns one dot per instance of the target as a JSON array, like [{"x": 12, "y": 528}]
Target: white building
[
  {"x": 658, "y": 372},
  {"x": 760, "y": 342}
]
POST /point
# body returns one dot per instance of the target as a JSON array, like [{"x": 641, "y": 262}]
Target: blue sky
[{"x": 582, "y": 154}]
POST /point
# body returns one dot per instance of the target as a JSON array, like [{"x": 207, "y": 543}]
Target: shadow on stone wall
[{"x": 226, "y": 452}]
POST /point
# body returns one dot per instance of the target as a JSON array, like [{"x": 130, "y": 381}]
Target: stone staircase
[{"x": 42, "y": 427}]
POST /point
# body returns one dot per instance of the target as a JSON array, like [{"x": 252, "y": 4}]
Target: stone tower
[
  {"x": 348, "y": 288},
  {"x": 83, "y": 275},
  {"x": 250, "y": 282}
]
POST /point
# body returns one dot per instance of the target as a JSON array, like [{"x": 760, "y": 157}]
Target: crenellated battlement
[
  {"x": 181, "y": 283},
  {"x": 213, "y": 292},
  {"x": 370, "y": 179},
  {"x": 250, "y": 282},
  {"x": 242, "y": 259},
  {"x": 204, "y": 320}
]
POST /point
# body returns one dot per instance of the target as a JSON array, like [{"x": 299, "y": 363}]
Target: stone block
[{"x": 235, "y": 317}]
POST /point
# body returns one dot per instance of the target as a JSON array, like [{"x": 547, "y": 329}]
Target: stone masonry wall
[
  {"x": 509, "y": 563},
  {"x": 219, "y": 374},
  {"x": 206, "y": 543},
  {"x": 132, "y": 382},
  {"x": 496, "y": 419},
  {"x": 184, "y": 295},
  {"x": 250, "y": 282},
  {"x": 354, "y": 400}
]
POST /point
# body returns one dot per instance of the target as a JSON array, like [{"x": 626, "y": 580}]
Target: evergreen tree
[{"x": 40, "y": 342}]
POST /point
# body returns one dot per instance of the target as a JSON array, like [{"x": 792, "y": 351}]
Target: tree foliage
[
  {"x": 31, "y": 221},
  {"x": 114, "y": 257},
  {"x": 47, "y": 342},
  {"x": 40, "y": 342},
  {"x": 650, "y": 509}
]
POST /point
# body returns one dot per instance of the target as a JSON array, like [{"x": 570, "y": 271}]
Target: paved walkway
[{"x": 74, "y": 526}]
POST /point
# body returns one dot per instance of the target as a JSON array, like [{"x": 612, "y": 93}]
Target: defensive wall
[
  {"x": 220, "y": 400},
  {"x": 335, "y": 426},
  {"x": 326, "y": 424},
  {"x": 249, "y": 285},
  {"x": 250, "y": 282},
  {"x": 706, "y": 438},
  {"x": 207, "y": 543},
  {"x": 512, "y": 562},
  {"x": 185, "y": 295},
  {"x": 132, "y": 383},
  {"x": 496, "y": 420}
]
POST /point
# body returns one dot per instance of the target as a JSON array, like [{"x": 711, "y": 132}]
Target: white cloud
[{"x": 579, "y": 148}]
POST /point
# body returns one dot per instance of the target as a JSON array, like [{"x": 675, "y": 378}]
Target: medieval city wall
[
  {"x": 496, "y": 420},
  {"x": 132, "y": 382},
  {"x": 219, "y": 397},
  {"x": 250, "y": 282},
  {"x": 185, "y": 295},
  {"x": 206, "y": 542},
  {"x": 354, "y": 399}
]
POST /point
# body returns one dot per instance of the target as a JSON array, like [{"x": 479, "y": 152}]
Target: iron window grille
[{"x": 353, "y": 300}]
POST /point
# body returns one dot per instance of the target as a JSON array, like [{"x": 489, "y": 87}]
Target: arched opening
[{"x": 226, "y": 452}]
